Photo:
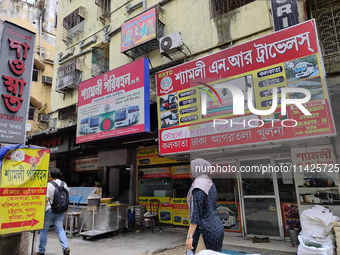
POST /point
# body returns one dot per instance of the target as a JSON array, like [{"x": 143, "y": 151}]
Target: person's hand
[{"x": 188, "y": 244}]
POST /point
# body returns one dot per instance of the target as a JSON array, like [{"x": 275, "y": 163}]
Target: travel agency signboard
[
  {"x": 16, "y": 62},
  {"x": 266, "y": 90},
  {"x": 115, "y": 103}
]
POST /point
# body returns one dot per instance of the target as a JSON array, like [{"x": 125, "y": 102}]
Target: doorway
[{"x": 259, "y": 197}]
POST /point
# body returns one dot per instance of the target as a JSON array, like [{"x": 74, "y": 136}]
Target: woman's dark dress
[{"x": 205, "y": 216}]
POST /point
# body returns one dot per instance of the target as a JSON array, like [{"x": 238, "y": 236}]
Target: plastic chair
[{"x": 153, "y": 213}]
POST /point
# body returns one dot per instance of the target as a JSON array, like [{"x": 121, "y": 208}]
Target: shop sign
[
  {"x": 265, "y": 90},
  {"x": 24, "y": 175},
  {"x": 139, "y": 30},
  {"x": 55, "y": 144},
  {"x": 150, "y": 157},
  {"x": 165, "y": 207},
  {"x": 16, "y": 62},
  {"x": 285, "y": 13},
  {"x": 180, "y": 172},
  {"x": 316, "y": 174},
  {"x": 115, "y": 103},
  {"x": 157, "y": 172},
  {"x": 85, "y": 164}
]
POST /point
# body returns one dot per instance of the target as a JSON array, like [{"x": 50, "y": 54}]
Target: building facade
[
  {"x": 39, "y": 18},
  {"x": 106, "y": 48}
]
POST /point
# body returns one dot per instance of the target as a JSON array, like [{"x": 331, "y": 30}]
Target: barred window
[
  {"x": 73, "y": 25},
  {"x": 103, "y": 9},
  {"x": 219, "y": 7}
]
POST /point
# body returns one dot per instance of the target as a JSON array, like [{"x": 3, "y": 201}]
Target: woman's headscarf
[{"x": 200, "y": 169}]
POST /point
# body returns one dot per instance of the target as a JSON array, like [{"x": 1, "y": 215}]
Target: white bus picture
[
  {"x": 227, "y": 216},
  {"x": 303, "y": 69},
  {"x": 89, "y": 125},
  {"x": 127, "y": 116}
]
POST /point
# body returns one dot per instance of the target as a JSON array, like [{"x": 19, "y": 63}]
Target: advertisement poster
[
  {"x": 150, "y": 157},
  {"x": 290, "y": 216},
  {"x": 24, "y": 175},
  {"x": 238, "y": 96},
  {"x": 139, "y": 30},
  {"x": 115, "y": 103},
  {"x": 17, "y": 47},
  {"x": 316, "y": 176},
  {"x": 229, "y": 213},
  {"x": 165, "y": 208},
  {"x": 180, "y": 212}
]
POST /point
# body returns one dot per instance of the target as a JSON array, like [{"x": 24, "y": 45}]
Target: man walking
[{"x": 50, "y": 216}]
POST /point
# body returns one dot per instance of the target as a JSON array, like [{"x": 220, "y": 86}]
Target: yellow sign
[
  {"x": 180, "y": 211},
  {"x": 24, "y": 174},
  {"x": 150, "y": 157},
  {"x": 165, "y": 208}
]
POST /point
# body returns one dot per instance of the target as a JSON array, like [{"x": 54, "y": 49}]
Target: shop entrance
[{"x": 260, "y": 205}]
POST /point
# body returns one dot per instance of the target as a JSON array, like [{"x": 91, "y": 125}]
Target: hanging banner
[
  {"x": 24, "y": 175},
  {"x": 261, "y": 92},
  {"x": 16, "y": 63},
  {"x": 116, "y": 103}
]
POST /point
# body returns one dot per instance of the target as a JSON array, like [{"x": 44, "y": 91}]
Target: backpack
[{"x": 61, "y": 198}]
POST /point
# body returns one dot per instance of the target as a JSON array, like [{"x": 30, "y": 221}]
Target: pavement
[{"x": 169, "y": 241}]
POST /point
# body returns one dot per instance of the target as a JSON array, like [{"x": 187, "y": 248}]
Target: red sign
[{"x": 196, "y": 108}]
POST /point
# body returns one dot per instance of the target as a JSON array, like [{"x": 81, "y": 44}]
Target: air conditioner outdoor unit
[
  {"x": 171, "y": 43},
  {"x": 43, "y": 117},
  {"x": 47, "y": 80}
]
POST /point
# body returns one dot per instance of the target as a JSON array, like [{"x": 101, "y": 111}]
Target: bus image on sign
[
  {"x": 227, "y": 216},
  {"x": 127, "y": 116},
  {"x": 303, "y": 69},
  {"x": 89, "y": 125}
]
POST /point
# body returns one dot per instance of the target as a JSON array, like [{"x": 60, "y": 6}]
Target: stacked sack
[
  {"x": 337, "y": 237},
  {"x": 317, "y": 235}
]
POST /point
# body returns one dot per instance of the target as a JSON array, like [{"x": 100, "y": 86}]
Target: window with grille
[
  {"x": 327, "y": 16},
  {"x": 100, "y": 60},
  {"x": 35, "y": 73},
  {"x": 103, "y": 9},
  {"x": 219, "y": 7},
  {"x": 73, "y": 25},
  {"x": 31, "y": 112}
]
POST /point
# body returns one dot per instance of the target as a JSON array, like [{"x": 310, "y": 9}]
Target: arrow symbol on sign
[{"x": 19, "y": 224}]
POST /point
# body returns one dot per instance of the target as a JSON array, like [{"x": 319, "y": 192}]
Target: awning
[
  {"x": 39, "y": 64},
  {"x": 35, "y": 103}
]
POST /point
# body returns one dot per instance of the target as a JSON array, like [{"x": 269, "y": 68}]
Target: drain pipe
[{"x": 40, "y": 26}]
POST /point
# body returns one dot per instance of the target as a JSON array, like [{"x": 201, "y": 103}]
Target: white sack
[
  {"x": 317, "y": 222},
  {"x": 326, "y": 249}
]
